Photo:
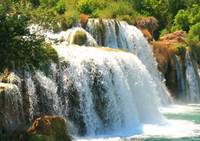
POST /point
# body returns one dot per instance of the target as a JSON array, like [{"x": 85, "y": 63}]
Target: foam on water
[{"x": 172, "y": 129}]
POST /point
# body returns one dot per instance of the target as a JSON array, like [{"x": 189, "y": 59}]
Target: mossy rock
[
  {"x": 49, "y": 128},
  {"x": 80, "y": 38}
]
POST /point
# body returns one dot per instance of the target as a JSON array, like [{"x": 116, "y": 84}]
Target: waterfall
[
  {"x": 192, "y": 80},
  {"x": 111, "y": 90},
  {"x": 105, "y": 91},
  {"x": 115, "y": 34},
  {"x": 180, "y": 78}
]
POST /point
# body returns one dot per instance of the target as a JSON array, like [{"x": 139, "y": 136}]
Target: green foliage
[
  {"x": 116, "y": 9},
  {"x": 91, "y": 6},
  {"x": 18, "y": 48},
  {"x": 194, "y": 33},
  {"x": 85, "y": 6},
  {"x": 60, "y": 7},
  {"x": 48, "y": 3},
  {"x": 187, "y": 18},
  {"x": 181, "y": 21}
]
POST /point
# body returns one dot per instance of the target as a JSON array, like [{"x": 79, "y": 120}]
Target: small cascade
[
  {"x": 121, "y": 35},
  {"x": 180, "y": 78},
  {"x": 46, "y": 90},
  {"x": 30, "y": 88},
  {"x": 192, "y": 80},
  {"x": 75, "y": 35}
]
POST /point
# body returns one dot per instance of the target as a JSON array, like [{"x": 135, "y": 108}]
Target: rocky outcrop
[
  {"x": 147, "y": 23},
  {"x": 175, "y": 37},
  {"x": 166, "y": 51},
  {"x": 84, "y": 20},
  {"x": 49, "y": 128},
  {"x": 80, "y": 38}
]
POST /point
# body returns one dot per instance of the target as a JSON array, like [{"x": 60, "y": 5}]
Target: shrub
[
  {"x": 181, "y": 21},
  {"x": 91, "y": 6},
  {"x": 187, "y": 18},
  {"x": 71, "y": 17},
  {"x": 116, "y": 9},
  {"x": 20, "y": 49},
  {"x": 60, "y": 7},
  {"x": 194, "y": 33}
]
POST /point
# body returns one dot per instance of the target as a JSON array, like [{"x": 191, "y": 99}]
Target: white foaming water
[
  {"x": 114, "y": 34},
  {"x": 192, "y": 80},
  {"x": 30, "y": 86},
  {"x": 115, "y": 90},
  {"x": 67, "y": 37},
  {"x": 172, "y": 129},
  {"x": 49, "y": 93}
]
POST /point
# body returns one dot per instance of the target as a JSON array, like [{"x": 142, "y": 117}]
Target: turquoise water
[
  {"x": 182, "y": 123},
  {"x": 189, "y": 114}
]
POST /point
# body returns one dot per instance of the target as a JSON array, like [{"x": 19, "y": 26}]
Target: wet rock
[
  {"x": 49, "y": 128},
  {"x": 10, "y": 77},
  {"x": 175, "y": 37},
  {"x": 84, "y": 20},
  {"x": 149, "y": 23},
  {"x": 80, "y": 38}
]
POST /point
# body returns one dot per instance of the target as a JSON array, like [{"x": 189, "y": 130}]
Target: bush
[
  {"x": 48, "y": 3},
  {"x": 181, "y": 21},
  {"x": 60, "y": 7},
  {"x": 18, "y": 48},
  {"x": 187, "y": 18},
  {"x": 116, "y": 9},
  {"x": 85, "y": 6},
  {"x": 194, "y": 33},
  {"x": 91, "y": 6}
]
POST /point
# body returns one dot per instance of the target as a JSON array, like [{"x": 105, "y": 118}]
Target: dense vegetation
[{"x": 18, "y": 47}]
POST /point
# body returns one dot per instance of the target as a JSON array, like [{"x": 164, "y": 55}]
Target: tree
[{"x": 18, "y": 47}]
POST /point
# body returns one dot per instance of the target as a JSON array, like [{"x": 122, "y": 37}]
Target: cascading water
[
  {"x": 180, "y": 78},
  {"x": 74, "y": 35},
  {"x": 97, "y": 85},
  {"x": 192, "y": 80},
  {"x": 106, "y": 83},
  {"x": 101, "y": 92},
  {"x": 115, "y": 34}
]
